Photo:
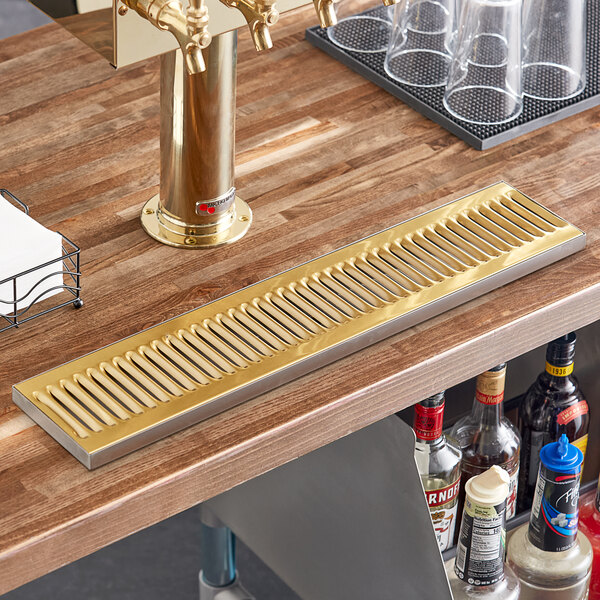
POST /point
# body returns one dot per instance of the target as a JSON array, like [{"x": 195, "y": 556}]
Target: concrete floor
[
  {"x": 17, "y": 16},
  {"x": 159, "y": 562}
]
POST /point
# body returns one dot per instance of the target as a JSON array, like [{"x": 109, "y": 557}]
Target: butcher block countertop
[{"x": 324, "y": 158}]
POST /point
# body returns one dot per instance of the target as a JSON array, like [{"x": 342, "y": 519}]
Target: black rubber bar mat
[{"x": 428, "y": 101}]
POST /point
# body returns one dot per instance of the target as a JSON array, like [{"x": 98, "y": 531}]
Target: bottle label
[
  {"x": 537, "y": 442},
  {"x": 428, "y": 422},
  {"x": 511, "y": 501},
  {"x": 574, "y": 411},
  {"x": 443, "y": 495},
  {"x": 490, "y": 387},
  {"x": 480, "y": 552},
  {"x": 559, "y": 371},
  {"x": 443, "y": 507},
  {"x": 555, "y": 513},
  {"x": 581, "y": 443},
  {"x": 444, "y": 523}
]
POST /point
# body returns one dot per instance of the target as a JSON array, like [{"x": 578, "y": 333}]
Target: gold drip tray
[{"x": 140, "y": 389}]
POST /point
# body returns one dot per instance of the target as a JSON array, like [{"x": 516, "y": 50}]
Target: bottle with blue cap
[
  {"x": 551, "y": 558},
  {"x": 553, "y": 405}
]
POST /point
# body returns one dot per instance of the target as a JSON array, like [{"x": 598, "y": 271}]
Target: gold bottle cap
[{"x": 490, "y": 386}]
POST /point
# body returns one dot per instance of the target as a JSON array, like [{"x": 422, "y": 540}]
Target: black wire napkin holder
[{"x": 67, "y": 266}]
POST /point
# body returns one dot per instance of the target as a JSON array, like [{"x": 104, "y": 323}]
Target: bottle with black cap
[
  {"x": 553, "y": 405},
  {"x": 438, "y": 462},
  {"x": 486, "y": 437}
]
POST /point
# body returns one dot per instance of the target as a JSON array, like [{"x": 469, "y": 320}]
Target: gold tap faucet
[
  {"x": 260, "y": 15},
  {"x": 191, "y": 30},
  {"x": 197, "y": 205},
  {"x": 325, "y": 12}
]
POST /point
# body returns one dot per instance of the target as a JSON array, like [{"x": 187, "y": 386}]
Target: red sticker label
[
  {"x": 428, "y": 422},
  {"x": 443, "y": 495},
  {"x": 489, "y": 398},
  {"x": 567, "y": 415}
]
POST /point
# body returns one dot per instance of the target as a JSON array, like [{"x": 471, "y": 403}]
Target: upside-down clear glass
[
  {"x": 554, "y": 46},
  {"x": 422, "y": 41},
  {"x": 358, "y": 32},
  {"x": 484, "y": 85}
]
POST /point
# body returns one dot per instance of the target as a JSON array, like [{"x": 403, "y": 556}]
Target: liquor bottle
[
  {"x": 438, "y": 462},
  {"x": 589, "y": 524},
  {"x": 551, "y": 559},
  {"x": 553, "y": 405},
  {"x": 479, "y": 569},
  {"x": 486, "y": 437}
]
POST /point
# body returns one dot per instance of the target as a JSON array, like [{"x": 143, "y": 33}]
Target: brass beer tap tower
[{"x": 197, "y": 206}]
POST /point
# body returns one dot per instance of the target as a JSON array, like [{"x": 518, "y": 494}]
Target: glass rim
[
  {"x": 331, "y": 34},
  {"x": 447, "y": 55},
  {"x": 518, "y": 100},
  {"x": 395, "y": 77},
  {"x": 580, "y": 75}
]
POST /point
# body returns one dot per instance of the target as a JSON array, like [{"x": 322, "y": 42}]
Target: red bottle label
[
  {"x": 489, "y": 398},
  {"x": 443, "y": 495},
  {"x": 567, "y": 415},
  {"x": 428, "y": 422}
]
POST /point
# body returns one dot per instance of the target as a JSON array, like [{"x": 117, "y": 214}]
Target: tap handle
[
  {"x": 197, "y": 22},
  {"x": 326, "y": 12},
  {"x": 259, "y": 28},
  {"x": 260, "y": 15},
  {"x": 197, "y": 29}
]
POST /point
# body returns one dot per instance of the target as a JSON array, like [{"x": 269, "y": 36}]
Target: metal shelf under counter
[{"x": 323, "y": 158}]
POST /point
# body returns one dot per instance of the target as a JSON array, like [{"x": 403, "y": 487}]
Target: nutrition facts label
[{"x": 480, "y": 552}]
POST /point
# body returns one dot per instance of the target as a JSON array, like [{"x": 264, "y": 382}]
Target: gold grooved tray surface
[{"x": 144, "y": 387}]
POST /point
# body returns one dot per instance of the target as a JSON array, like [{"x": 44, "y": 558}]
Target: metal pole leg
[{"x": 218, "y": 577}]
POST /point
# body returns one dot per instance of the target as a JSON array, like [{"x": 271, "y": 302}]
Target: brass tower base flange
[{"x": 193, "y": 237}]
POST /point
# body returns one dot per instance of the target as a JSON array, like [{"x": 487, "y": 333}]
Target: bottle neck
[
  {"x": 559, "y": 372},
  {"x": 428, "y": 422},
  {"x": 488, "y": 407},
  {"x": 431, "y": 443},
  {"x": 560, "y": 357},
  {"x": 488, "y": 415}
]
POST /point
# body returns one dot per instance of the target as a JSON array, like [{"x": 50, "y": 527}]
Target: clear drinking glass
[
  {"x": 357, "y": 32},
  {"x": 554, "y": 40},
  {"x": 422, "y": 40},
  {"x": 484, "y": 85}
]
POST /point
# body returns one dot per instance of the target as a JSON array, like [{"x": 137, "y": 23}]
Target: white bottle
[{"x": 479, "y": 570}]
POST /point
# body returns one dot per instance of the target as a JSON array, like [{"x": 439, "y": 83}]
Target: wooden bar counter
[{"x": 324, "y": 158}]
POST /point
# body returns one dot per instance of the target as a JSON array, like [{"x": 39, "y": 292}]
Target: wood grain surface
[{"x": 323, "y": 158}]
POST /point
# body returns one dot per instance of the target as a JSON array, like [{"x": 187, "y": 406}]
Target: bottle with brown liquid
[
  {"x": 553, "y": 405},
  {"x": 486, "y": 437}
]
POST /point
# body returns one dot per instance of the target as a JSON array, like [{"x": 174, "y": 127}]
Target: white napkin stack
[{"x": 25, "y": 244}]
